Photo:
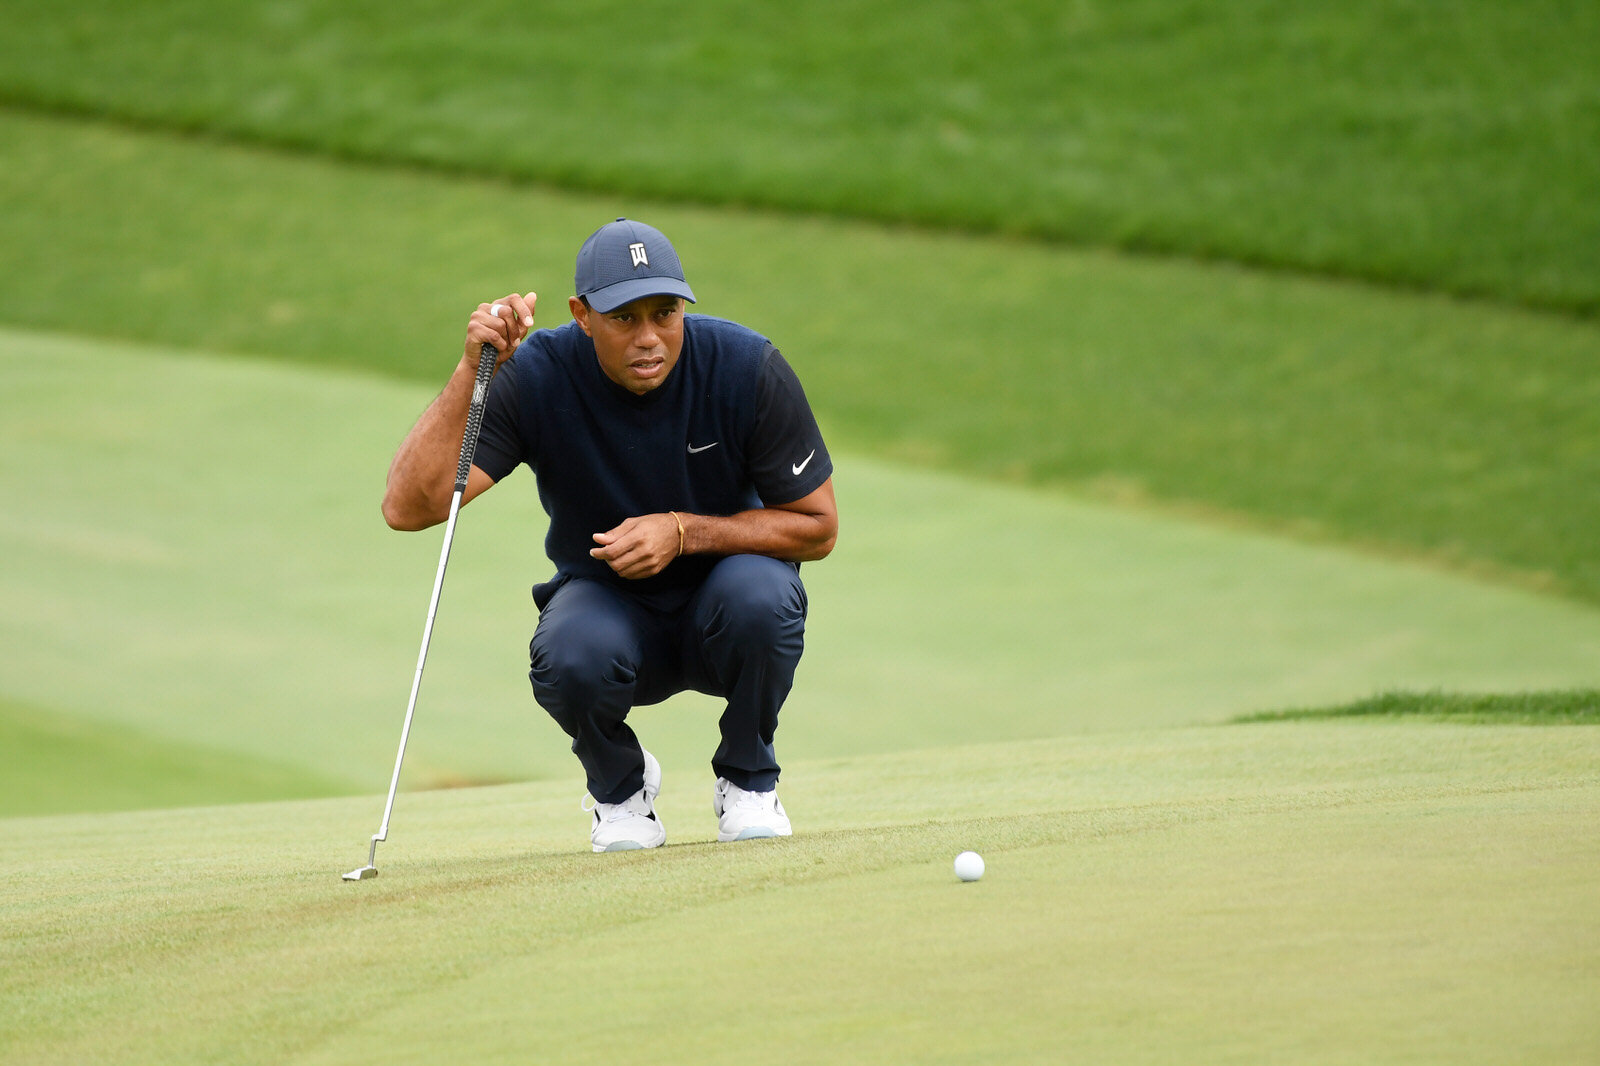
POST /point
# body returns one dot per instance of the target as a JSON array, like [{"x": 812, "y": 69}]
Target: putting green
[
  {"x": 1372, "y": 891},
  {"x": 200, "y": 558}
]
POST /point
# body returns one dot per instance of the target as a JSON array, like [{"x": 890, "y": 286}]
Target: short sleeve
[
  {"x": 501, "y": 445},
  {"x": 788, "y": 459}
]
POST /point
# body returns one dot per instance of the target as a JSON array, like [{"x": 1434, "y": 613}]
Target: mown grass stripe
[
  {"x": 1569, "y": 707},
  {"x": 1367, "y": 141}
]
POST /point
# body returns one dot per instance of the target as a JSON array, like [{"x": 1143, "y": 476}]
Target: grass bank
[
  {"x": 1573, "y": 707},
  {"x": 57, "y": 763},
  {"x": 1376, "y": 140},
  {"x": 1413, "y": 424}
]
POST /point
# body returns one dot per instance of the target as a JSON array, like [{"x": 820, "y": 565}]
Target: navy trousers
[{"x": 597, "y": 653}]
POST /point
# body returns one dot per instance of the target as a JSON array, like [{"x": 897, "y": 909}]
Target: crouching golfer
[{"x": 685, "y": 481}]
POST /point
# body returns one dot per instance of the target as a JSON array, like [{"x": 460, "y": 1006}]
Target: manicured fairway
[
  {"x": 1404, "y": 891},
  {"x": 1307, "y": 892},
  {"x": 1240, "y": 604},
  {"x": 206, "y": 566},
  {"x": 1419, "y": 425}
]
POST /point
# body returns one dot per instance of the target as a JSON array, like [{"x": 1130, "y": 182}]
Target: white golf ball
[
  {"x": 496, "y": 309},
  {"x": 969, "y": 866}
]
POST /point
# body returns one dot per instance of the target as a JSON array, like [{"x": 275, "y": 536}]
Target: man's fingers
[
  {"x": 636, "y": 548},
  {"x": 502, "y": 323},
  {"x": 617, "y": 532},
  {"x": 516, "y": 311},
  {"x": 485, "y": 327},
  {"x": 621, "y": 558},
  {"x": 505, "y": 324},
  {"x": 522, "y": 307}
]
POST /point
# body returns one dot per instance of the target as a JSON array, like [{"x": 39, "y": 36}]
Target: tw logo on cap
[{"x": 640, "y": 258}]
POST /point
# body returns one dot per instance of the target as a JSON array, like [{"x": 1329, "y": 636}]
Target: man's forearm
[
  {"x": 421, "y": 478},
  {"x": 799, "y": 533}
]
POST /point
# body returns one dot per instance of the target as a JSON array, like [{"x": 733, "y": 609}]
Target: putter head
[{"x": 371, "y": 868}]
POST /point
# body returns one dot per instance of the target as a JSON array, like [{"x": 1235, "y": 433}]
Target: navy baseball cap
[{"x": 625, "y": 260}]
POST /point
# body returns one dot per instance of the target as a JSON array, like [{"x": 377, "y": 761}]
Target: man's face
[{"x": 638, "y": 343}]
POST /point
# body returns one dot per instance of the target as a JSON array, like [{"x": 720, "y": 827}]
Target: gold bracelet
[{"x": 678, "y": 520}]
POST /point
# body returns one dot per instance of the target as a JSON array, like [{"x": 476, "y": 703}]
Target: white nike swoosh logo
[
  {"x": 696, "y": 451},
  {"x": 802, "y": 464}
]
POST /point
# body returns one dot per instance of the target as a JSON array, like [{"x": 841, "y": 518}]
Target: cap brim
[{"x": 625, "y": 292}]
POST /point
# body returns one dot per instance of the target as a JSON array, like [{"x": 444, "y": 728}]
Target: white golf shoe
[
  {"x": 745, "y": 815},
  {"x": 633, "y": 823}
]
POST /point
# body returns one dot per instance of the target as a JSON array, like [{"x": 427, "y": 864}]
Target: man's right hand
[
  {"x": 504, "y": 329},
  {"x": 421, "y": 479}
]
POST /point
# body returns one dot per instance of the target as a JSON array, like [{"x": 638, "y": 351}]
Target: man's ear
[{"x": 580, "y": 313}]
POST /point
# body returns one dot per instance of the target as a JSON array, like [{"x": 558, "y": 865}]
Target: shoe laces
[{"x": 744, "y": 799}]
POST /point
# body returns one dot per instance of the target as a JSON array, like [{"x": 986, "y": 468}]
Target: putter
[{"x": 469, "y": 445}]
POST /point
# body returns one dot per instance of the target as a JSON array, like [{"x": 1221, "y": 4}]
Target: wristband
[{"x": 678, "y": 520}]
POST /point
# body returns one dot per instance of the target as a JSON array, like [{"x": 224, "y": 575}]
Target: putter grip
[{"x": 480, "y": 394}]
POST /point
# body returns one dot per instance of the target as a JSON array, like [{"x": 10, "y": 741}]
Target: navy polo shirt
[{"x": 727, "y": 431}]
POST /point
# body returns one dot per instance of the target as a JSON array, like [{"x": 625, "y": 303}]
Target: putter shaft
[{"x": 469, "y": 445}]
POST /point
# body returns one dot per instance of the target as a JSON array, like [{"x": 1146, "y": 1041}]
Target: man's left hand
[{"x": 639, "y": 547}]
